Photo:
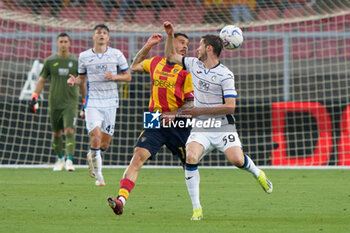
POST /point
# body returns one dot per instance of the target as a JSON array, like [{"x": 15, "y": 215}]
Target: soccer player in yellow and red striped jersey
[{"x": 172, "y": 91}]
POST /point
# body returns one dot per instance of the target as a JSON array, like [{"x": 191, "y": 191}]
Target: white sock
[
  {"x": 250, "y": 166},
  {"x": 192, "y": 182},
  {"x": 122, "y": 199},
  {"x": 98, "y": 162}
]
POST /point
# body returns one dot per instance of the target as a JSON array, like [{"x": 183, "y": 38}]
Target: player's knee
[
  {"x": 104, "y": 146},
  {"x": 237, "y": 160},
  {"x": 68, "y": 131},
  {"x": 57, "y": 134},
  {"x": 140, "y": 157},
  {"x": 95, "y": 142},
  {"x": 191, "y": 157}
]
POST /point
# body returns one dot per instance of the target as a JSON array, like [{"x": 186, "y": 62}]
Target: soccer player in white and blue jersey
[
  {"x": 214, "y": 97},
  {"x": 98, "y": 78}
]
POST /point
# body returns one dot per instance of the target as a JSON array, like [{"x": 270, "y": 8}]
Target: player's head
[
  {"x": 209, "y": 44},
  {"x": 63, "y": 42},
  {"x": 100, "y": 34},
  {"x": 181, "y": 43}
]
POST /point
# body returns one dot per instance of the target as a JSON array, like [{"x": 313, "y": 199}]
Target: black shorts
[{"x": 174, "y": 139}]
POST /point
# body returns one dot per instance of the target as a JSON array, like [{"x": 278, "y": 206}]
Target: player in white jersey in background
[
  {"x": 97, "y": 68},
  {"x": 215, "y": 94}
]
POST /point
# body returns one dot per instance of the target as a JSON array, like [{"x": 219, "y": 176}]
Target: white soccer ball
[{"x": 232, "y": 37}]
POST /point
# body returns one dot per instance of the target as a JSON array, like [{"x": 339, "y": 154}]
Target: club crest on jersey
[
  {"x": 70, "y": 64},
  {"x": 175, "y": 71},
  {"x": 213, "y": 78}
]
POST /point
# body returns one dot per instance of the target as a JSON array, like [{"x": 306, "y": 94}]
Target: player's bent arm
[
  {"x": 187, "y": 105},
  {"x": 72, "y": 80},
  {"x": 124, "y": 77},
  {"x": 39, "y": 85},
  {"x": 227, "y": 108},
  {"x": 170, "y": 51},
  {"x": 83, "y": 85},
  {"x": 141, "y": 55}
]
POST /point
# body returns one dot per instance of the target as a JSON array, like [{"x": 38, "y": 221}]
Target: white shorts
[
  {"x": 102, "y": 118},
  {"x": 211, "y": 140}
]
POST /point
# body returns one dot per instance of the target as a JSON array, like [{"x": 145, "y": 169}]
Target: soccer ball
[{"x": 232, "y": 37}]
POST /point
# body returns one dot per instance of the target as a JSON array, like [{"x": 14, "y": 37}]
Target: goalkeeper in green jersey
[{"x": 63, "y": 100}]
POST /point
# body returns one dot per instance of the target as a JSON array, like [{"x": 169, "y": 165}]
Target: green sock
[
  {"x": 61, "y": 156},
  {"x": 70, "y": 145},
  {"x": 57, "y": 143},
  {"x": 70, "y": 157}
]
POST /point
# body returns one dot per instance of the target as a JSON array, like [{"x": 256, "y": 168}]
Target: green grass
[{"x": 39, "y": 200}]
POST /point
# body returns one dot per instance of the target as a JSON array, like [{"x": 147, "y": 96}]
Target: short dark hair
[
  {"x": 180, "y": 34},
  {"x": 214, "y": 41},
  {"x": 101, "y": 26},
  {"x": 63, "y": 34}
]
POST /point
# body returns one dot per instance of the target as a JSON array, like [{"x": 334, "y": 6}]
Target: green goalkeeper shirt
[{"x": 61, "y": 95}]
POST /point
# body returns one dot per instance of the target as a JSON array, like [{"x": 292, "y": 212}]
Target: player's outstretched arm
[
  {"x": 141, "y": 55},
  {"x": 170, "y": 51}
]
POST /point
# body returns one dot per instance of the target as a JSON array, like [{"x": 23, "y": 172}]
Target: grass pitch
[{"x": 39, "y": 200}]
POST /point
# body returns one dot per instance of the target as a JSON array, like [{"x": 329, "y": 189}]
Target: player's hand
[
  {"x": 71, "y": 80},
  {"x": 110, "y": 76},
  {"x": 154, "y": 39},
  {"x": 168, "y": 27},
  {"x": 168, "y": 117},
  {"x": 82, "y": 110},
  {"x": 33, "y": 105}
]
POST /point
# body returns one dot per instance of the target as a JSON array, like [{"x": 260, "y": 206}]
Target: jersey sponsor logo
[
  {"x": 163, "y": 83},
  {"x": 101, "y": 68},
  {"x": 203, "y": 85},
  {"x": 63, "y": 71},
  {"x": 165, "y": 74}
]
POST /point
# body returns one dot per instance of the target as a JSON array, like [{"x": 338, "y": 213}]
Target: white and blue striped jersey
[
  {"x": 101, "y": 93},
  {"x": 211, "y": 87}
]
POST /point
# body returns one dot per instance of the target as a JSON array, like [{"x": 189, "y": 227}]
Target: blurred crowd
[{"x": 214, "y": 10}]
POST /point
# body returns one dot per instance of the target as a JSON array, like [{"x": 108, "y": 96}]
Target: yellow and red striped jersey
[{"x": 171, "y": 84}]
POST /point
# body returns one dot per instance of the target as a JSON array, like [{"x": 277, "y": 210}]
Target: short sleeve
[
  {"x": 146, "y": 64},
  {"x": 81, "y": 65},
  {"x": 188, "y": 63},
  {"x": 45, "y": 72},
  {"x": 228, "y": 86},
  {"x": 122, "y": 62}
]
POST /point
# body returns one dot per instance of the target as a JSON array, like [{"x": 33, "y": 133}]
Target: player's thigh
[
  {"x": 56, "y": 119},
  {"x": 152, "y": 140},
  {"x": 224, "y": 140},
  {"x": 108, "y": 122},
  {"x": 70, "y": 117},
  {"x": 93, "y": 119},
  {"x": 176, "y": 139},
  {"x": 200, "y": 148}
]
